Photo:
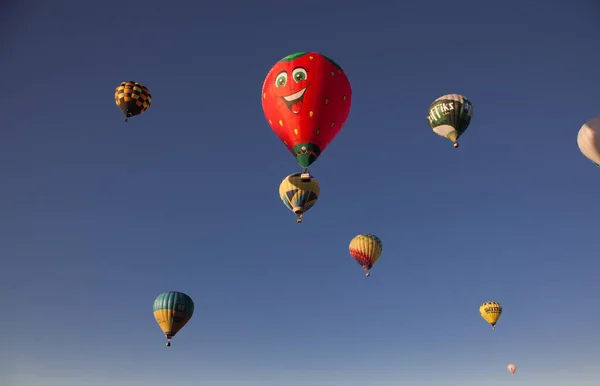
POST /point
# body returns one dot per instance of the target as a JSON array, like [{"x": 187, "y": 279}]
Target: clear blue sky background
[{"x": 97, "y": 217}]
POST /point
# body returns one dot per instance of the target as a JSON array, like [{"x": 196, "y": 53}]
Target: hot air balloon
[
  {"x": 588, "y": 140},
  {"x": 512, "y": 368},
  {"x": 132, "y": 98},
  {"x": 450, "y": 115},
  {"x": 490, "y": 312},
  {"x": 299, "y": 194},
  {"x": 306, "y": 98},
  {"x": 172, "y": 311},
  {"x": 365, "y": 249}
]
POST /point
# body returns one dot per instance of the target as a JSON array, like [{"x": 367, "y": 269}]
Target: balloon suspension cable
[
  {"x": 169, "y": 342},
  {"x": 366, "y": 269}
]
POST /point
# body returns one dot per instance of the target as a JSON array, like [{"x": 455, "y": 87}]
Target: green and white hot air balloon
[{"x": 449, "y": 116}]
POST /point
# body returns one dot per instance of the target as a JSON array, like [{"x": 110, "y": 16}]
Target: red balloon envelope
[{"x": 306, "y": 98}]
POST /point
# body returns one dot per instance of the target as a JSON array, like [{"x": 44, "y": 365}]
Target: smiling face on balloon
[
  {"x": 291, "y": 88},
  {"x": 306, "y": 98}
]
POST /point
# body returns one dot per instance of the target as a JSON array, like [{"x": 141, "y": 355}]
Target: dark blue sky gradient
[{"x": 98, "y": 217}]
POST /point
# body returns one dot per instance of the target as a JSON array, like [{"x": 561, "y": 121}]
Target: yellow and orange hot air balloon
[
  {"x": 132, "y": 98},
  {"x": 365, "y": 249},
  {"x": 490, "y": 312}
]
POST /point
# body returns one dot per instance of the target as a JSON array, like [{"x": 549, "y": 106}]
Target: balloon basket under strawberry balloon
[{"x": 305, "y": 176}]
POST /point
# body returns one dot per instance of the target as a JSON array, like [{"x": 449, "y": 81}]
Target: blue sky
[{"x": 99, "y": 216}]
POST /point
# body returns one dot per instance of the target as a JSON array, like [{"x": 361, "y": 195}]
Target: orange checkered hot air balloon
[{"x": 133, "y": 99}]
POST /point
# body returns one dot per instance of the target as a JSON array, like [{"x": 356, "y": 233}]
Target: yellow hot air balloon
[
  {"x": 299, "y": 194},
  {"x": 490, "y": 312},
  {"x": 365, "y": 250}
]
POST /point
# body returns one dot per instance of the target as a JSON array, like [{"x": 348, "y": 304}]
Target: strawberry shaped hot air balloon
[{"x": 306, "y": 98}]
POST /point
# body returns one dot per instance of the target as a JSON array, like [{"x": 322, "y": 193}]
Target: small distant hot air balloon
[
  {"x": 299, "y": 194},
  {"x": 365, "y": 249},
  {"x": 588, "y": 140},
  {"x": 172, "y": 311},
  {"x": 512, "y": 368},
  {"x": 490, "y": 312},
  {"x": 132, "y": 98},
  {"x": 306, "y": 98},
  {"x": 450, "y": 115}
]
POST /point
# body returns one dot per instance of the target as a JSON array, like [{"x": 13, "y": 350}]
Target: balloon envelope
[
  {"x": 306, "y": 98},
  {"x": 588, "y": 140},
  {"x": 450, "y": 115},
  {"x": 132, "y": 98},
  {"x": 299, "y": 195},
  {"x": 172, "y": 311},
  {"x": 365, "y": 249},
  {"x": 512, "y": 368},
  {"x": 490, "y": 312}
]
